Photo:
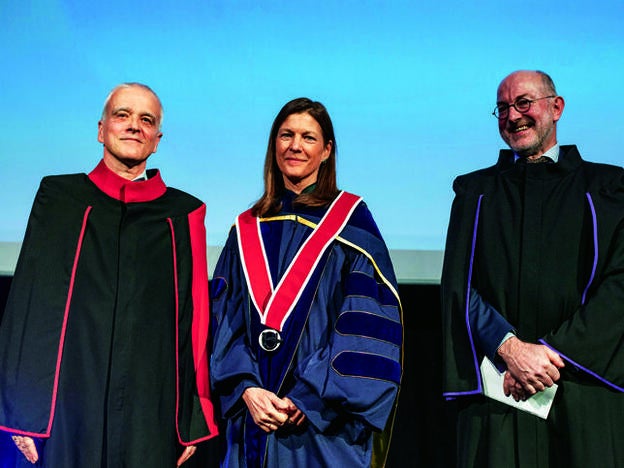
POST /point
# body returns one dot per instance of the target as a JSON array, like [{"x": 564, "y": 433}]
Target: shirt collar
[
  {"x": 552, "y": 153},
  {"x": 141, "y": 177}
]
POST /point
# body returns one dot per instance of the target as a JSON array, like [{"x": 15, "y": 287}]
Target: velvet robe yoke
[
  {"x": 340, "y": 361},
  {"x": 544, "y": 244},
  {"x": 103, "y": 342}
]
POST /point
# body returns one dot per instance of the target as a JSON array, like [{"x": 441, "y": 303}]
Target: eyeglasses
[{"x": 522, "y": 105}]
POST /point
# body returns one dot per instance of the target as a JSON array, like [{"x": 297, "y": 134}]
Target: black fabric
[
  {"x": 116, "y": 403},
  {"x": 533, "y": 259}
]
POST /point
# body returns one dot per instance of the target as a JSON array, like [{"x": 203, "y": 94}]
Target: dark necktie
[{"x": 540, "y": 160}]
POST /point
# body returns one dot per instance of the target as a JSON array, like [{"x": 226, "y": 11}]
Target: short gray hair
[{"x": 133, "y": 85}]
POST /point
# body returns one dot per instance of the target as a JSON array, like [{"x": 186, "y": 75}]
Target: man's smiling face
[
  {"x": 533, "y": 132},
  {"x": 130, "y": 129}
]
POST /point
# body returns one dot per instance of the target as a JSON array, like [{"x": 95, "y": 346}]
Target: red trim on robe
[
  {"x": 304, "y": 264},
  {"x": 177, "y": 321},
  {"x": 59, "y": 359},
  {"x": 275, "y": 305},
  {"x": 201, "y": 314},
  {"x": 65, "y": 317},
  {"x": 200, "y": 321},
  {"x": 254, "y": 260},
  {"x": 126, "y": 190}
]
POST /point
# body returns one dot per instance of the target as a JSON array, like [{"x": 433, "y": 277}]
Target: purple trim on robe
[
  {"x": 479, "y": 390},
  {"x": 595, "y": 232},
  {"x": 468, "y": 285},
  {"x": 584, "y": 297},
  {"x": 584, "y": 369},
  {"x": 452, "y": 395}
]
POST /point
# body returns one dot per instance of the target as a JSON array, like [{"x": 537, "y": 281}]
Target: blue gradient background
[{"x": 409, "y": 85}]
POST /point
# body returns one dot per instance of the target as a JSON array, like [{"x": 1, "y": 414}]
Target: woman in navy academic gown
[{"x": 307, "y": 331}]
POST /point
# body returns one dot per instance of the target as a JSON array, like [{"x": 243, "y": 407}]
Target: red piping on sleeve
[
  {"x": 65, "y": 317},
  {"x": 59, "y": 357},
  {"x": 177, "y": 337},
  {"x": 201, "y": 314}
]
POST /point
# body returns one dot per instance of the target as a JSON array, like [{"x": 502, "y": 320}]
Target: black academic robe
[
  {"x": 103, "y": 342},
  {"x": 544, "y": 244}
]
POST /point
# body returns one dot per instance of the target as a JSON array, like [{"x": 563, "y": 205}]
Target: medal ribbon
[{"x": 275, "y": 305}]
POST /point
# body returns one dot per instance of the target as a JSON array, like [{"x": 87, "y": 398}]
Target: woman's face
[{"x": 300, "y": 150}]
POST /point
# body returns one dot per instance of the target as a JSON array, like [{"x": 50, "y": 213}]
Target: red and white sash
[{"x": 275, "y": 305}]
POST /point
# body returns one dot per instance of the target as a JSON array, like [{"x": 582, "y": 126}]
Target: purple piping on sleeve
[
  {"x": 469, "y": 282},
  {"x": 595, "y": 226},
  {"x": 584, "y": 369},
  {"x": 479, "y": 390},
  {"x": 584, "y": 297}
]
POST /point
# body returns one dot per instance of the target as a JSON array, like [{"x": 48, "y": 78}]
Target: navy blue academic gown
[{"x": 340, "y": 362}]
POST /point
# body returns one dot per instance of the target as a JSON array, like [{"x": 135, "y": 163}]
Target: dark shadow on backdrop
[{"x": 424, "y": 433}]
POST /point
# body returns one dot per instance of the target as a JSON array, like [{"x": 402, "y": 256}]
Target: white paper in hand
[{"x": 539, "y": 404}]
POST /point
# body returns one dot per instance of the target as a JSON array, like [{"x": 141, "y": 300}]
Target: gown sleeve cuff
[
  {"x": 489, "y": 327},
  {"x": 232, "y": 402},
  {"x": 310, "y": 404}
]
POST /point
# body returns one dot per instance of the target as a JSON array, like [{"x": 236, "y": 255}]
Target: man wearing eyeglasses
[{"x": 533, "y": 281}]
